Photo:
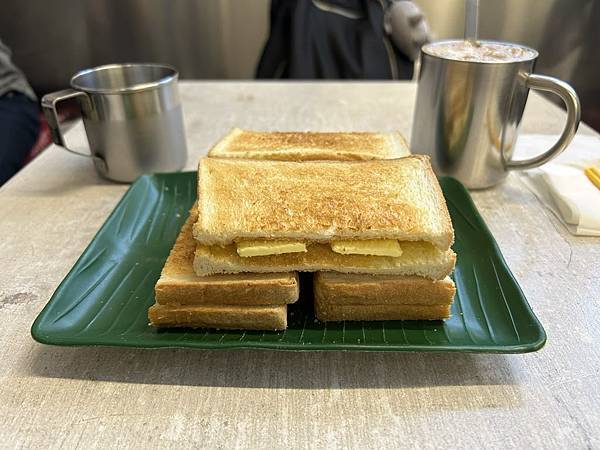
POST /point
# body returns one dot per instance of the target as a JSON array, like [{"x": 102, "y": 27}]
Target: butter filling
[
  {"x": 368, "y": 247},
  {"x": 264, "y": 248}
]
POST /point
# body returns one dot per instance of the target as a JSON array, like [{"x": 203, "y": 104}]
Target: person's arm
[{"x": 11, "y": 78}]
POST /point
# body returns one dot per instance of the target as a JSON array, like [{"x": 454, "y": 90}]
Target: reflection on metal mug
[
  {"x": 132, "y": 117},
  {"x": 470, "y": 102}
]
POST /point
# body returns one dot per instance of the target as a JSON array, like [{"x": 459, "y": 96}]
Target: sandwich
[
  {"x": 248, "y": 301},
  {"x": 232, "y": 280},
  {"x": 377, "y": 217},
  {"x": 310, "y": 145},
  {"x": 349, "y": 296},
  {"x": 381, "y": 297}
]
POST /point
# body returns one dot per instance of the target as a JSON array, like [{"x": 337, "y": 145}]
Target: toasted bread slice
[
  {"x": 420, "y": 259},
  {"x": 310, "y": 146},
  {"x": 321, "y": 201},
  {"x": 359, "y": 289},
  {"x": 334, "y": 312},
  {"x": 179, "y": 284},
  {"x": 222, "y": 317}
]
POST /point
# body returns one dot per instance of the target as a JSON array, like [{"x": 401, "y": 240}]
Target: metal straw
[{"x": 471, "y": 20}]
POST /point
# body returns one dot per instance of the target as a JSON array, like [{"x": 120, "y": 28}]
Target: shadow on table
[{"x": 277, "y": 370}]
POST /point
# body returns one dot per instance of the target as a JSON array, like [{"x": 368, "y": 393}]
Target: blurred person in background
[
  {"x": 19, "y": 116},
  {"x": 343, "y": 39}
]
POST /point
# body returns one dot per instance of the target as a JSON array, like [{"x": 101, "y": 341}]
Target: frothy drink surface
[{"x": 481, "y": 51}]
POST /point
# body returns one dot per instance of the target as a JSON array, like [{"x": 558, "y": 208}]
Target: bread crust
[
  {"x": 320, "y": 201},
  {"x": 310, "y": 145},
  {"x": 179, "y": 284},
  {"x": 335, "y": 313},
  {"x": 222, "y": 317},
  {"x": 357, "y": 289}
]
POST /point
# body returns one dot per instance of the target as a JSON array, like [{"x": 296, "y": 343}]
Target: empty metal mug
[
  {"x": 467, "y": 114},
  {"x": 132, "y": 117}
]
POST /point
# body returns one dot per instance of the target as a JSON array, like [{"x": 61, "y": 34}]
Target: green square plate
[{"x": 105, "y": 297}]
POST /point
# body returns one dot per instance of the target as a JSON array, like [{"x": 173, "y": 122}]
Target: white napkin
[{"x": 561, "y": 184}]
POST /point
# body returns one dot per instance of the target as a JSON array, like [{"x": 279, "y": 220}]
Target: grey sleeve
[
  {"x": 408, "y": 27},
  {"x": 11, "y": 78}
]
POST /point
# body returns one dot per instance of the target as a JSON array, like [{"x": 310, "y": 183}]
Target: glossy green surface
[{"x": 105, "y": 297}]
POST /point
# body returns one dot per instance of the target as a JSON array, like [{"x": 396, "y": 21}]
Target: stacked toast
[{"x": 355, "y": 208}]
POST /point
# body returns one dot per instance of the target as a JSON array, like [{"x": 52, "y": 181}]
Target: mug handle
[
  {"x": 571, "y": 101},
  {"x": 49, "y": 102}
]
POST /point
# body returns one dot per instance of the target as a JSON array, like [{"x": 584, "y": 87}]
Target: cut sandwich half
[
  {"x": 245, "y": 301},
  {"x": 373, "y": 297},
  {"x": 384, "y": 217},
  {"x": 310, "y": 145}
]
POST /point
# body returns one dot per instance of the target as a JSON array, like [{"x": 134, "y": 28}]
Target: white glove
[{"x": 407, "y": 27}]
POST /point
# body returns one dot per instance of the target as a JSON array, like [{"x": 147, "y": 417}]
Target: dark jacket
[{"x": 330, "y": 39}]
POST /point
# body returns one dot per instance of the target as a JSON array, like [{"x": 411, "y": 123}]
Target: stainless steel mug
[
  {"x": 132, "y": 117},
  {"x": 467, "y": 114}
]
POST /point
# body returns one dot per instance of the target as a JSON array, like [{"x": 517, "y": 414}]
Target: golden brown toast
[
  {"x": 307, "y": 146},
  {"x": 334, "y": 312},
  {"x": 321, "y": 201},
  {"x": 222, "y": 317},
  {"x": 362, "y": 289},
  {"x": 179, "y": 284}
]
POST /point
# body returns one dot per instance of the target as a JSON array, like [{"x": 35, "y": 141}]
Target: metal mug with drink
[
  {"x": 470, "y": 101},
  {"x": 132, "y": 117}
]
